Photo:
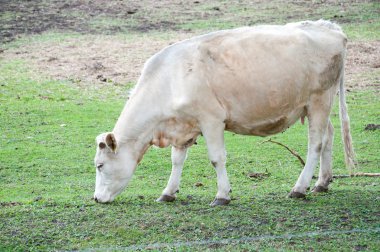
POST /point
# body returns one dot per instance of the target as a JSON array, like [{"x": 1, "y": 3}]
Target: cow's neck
[{"x": 137, "y": 122}]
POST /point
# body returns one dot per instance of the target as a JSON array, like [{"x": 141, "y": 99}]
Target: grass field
[{"x": 49, "y": 122}]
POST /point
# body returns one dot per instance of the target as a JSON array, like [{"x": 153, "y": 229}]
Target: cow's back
[{"x": 258, "y": 78}]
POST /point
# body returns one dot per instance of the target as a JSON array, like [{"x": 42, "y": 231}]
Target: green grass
[
  {"x": 47, "y": 178},
  {"x": 359, "y": 20},
  {"x": 363, "y": 31}
]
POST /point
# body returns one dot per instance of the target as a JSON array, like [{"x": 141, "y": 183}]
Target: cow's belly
[
  {"x": 265, "y": 127},
  {"x": 266, "y": 108}
]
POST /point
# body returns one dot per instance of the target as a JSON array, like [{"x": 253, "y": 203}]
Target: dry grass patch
[
  {"x": 111, "y": 60},
  {"x": 363, "y": 65},
  {"x": 92, "y": 60}
]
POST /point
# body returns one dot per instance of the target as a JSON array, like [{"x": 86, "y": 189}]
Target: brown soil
[
  {"x": 92, "y": 60},
  {"x": 100, "y": 60},
  {"x": 105, "y": 58},
  {"x": 21, "y": 17},
  {"x": 36, "y": 16},
  {"x": 18, "y": 18},
  {"x": 363, "y": 65}
]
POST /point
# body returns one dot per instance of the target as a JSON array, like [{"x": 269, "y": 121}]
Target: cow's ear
[{"x": 111, "y": 141}]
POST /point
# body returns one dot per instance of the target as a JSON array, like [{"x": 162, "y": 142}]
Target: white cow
[{"x": 252, "y": 81}]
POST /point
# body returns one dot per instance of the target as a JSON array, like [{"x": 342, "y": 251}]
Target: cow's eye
[{"x": 99, "y": 165}]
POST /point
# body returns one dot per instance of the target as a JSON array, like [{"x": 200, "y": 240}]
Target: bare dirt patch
[
  {"x": 100, "y": 56},
  {"x": 83, "y": 16},
  {"x": 101, "y": 60},
  {"x": 18, "y": 18},
  {"x": 363, "y": 65},
  {"x": 92, "y": 60},
  {"x": 22, "y": 17}
]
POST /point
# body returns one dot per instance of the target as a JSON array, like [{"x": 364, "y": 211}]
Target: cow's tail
[{"x": 345, "y": 127}]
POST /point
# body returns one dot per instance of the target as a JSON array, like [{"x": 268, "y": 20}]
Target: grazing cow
[{"x": 251, "y": 81}]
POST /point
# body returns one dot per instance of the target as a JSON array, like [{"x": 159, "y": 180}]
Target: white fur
[{"x": 254, "y": 81}]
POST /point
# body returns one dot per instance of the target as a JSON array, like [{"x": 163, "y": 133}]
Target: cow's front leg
[
  {"x": 178, "y": 158},
  {"x": 214, "y": 136}
]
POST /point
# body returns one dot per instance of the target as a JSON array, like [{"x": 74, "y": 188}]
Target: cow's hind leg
[
  {"x": 325, "y": 172},
  {"x": 318, "y": 114},
  {"x": 214, "y": 136},
  {"x": 178, "y": 158}
]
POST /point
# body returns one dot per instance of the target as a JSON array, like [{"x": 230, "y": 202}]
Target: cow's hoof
[
  {"x": 166, "y": 198},
  {"x": 220, "y": 202},
  {"x": 296, "y": 195},
  {"x": 319, "y": 189}
]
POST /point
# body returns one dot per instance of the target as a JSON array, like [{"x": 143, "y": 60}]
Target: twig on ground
[
  {"x": 293, "y": 152},
  {"x": 358, "y": 174}
]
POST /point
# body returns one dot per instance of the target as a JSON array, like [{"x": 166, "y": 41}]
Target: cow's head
[{"x": 114, "y": 167}]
